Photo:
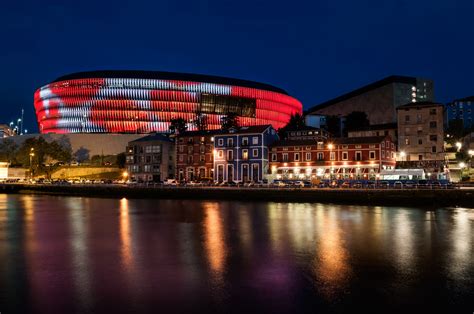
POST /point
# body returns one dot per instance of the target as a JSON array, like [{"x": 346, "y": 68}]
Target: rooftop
[
  {"x": 385, "y": 81},
  {"x": 359, "y": 140},
  {"x": 248, "y": 129},
  {"x": 173, "y": 76},
  {"x": 153, "y": 137},
  {"x": 374, "y": 127},
  {"x": 420, "y": 104},
  {"x": 200, "y": 133},
  {"x": 294, "y": 143},
  {"x": 470, "y": 98}
]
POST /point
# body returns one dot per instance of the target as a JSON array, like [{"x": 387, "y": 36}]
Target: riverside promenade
[{"x": 385, "y": 197}]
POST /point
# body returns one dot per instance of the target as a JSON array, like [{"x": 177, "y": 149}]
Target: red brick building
[
  {"x": 342, "y": 158},
  {"x": 194, "y": 155}
]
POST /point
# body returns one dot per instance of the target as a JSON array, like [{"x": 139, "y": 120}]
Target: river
[{"x": 79, "y": 255}]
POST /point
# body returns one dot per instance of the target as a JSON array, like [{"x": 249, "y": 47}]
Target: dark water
[{"x": 67, "y": 255}]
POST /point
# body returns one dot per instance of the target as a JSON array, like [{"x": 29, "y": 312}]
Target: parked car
[{"x": 170, "y": 182}]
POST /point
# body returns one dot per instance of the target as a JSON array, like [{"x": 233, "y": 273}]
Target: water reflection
[
  {"x": 126, "y": 252},
  {"x": 109, "y": 255},
  {"x": 214, "y": 241},
  {"x": 331, "y": 262}
]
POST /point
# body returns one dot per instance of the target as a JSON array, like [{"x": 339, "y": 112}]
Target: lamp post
[{"x": 32, "y": 154}]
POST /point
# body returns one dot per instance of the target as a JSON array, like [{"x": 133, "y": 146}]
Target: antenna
[{"x": 22, "y": 121}]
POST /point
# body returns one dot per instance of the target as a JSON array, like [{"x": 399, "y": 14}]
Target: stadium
[{"x": 145, "y": 101}]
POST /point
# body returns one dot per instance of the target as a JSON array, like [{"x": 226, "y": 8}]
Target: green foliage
[
  {"x": 178, "y": 126},
  {"x": 229, "y": 121}
]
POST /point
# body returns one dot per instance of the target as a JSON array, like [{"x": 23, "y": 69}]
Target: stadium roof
[{"x": 160, "y": 75}]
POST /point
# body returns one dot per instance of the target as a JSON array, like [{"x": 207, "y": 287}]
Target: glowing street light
[
  {"x": 458, "y": 145},
  {"x": 462, "y": 165},
  {"x": 471, "y": 152},
  {"x": 330, "y": 146}
]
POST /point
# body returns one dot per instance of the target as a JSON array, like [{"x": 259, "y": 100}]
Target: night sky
[{"x": 315, "y": 50}]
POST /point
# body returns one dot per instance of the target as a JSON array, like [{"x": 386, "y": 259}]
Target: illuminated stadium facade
[{"x": 144, "y": 102}]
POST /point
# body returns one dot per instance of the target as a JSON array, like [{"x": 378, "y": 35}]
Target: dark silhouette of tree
[
  {"x": 229, "y": 121},
  {"x": 296, "y": 122},
  {"x": 121, "y": 159},
  {"x": 178, "y": 126},
  {"x": 200, "y": 121},
  {"x": 455, "y": 130},
  {"x": 356, "y": 120},
  {"x": 8, "y": 150},
  {"x": 333, "y": 125},
  {"x": 82, "y": 154}
]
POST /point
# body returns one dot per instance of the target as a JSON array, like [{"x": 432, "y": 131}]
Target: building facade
[
  {"x": 390, "y": 129},
  {"x": 461, "y": 109},
  {"x": 151, "y": 158},
  {"x": 195, "y": 155},
  {"x": 146, "y": 102},
  {"x": 241, "y": 155},
  {"x": 421, "y": 135},
  {"x": 379, "y": 99},
  {"x": 342, "y": 158},
  {"x": 307, "y": 133}
]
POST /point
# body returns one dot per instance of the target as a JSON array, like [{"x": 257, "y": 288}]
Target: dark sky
[{"x": 316, "y": 50}]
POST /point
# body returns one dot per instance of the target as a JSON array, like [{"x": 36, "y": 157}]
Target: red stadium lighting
[{"x": 144, "y": 102}]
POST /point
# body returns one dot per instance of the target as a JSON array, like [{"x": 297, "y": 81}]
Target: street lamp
[
  {"x": 458, "y": 145},
  {"x": 402, "y": 155},
  {"x": 32, "y": 154},
  {"x": 125, "y": 175}
]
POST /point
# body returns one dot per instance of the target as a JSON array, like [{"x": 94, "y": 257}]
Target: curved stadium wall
[{"x": 144, "y": 102}]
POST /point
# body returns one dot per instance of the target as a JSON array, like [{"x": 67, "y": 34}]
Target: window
[
  {"x": 420, "y": 141},
  {"x": 190, "y": 159},
  {"x": 230, "y": 155},
  {"x": 433, "y": 149},
  {"x": 297, "y": 156},
  {"x": 190, "y": 149},
  {"x": 407, "y": 141},
  {"x": 358, "y": 156},
  {"x": 371, "y": 146},
  {"x": 383, "y": 144},
  {"x": 230, "y": 142},
  {"x": 181, "y": 158},
  {"x": 202, "y": 149},
  {"x": 148, "y": 149},
  {"x": 433, "y": 138},
  {"x": 433, "y": 124},
  {"x": 254, "y": 152},
  {"x": 181, "y": 148},
  {"x": 245, "y": 154},
  {"x": 202, "y": 158},
  {"x": 147, "y": 168},
  {"x": 332, "y": 156},
  {"x": 358, "y": 146},
  {"x": 255, "y": 140},
  {"x": 418, "y": 118},
  {"x": 433, "y": 111},
  {"x": 274, "y": 157},
  {"x": 220, "y": 153},
  {"x": 202, "y": 139},
  {"x": 308, "y": 156},
  {"x": 308, "y": 147},
  {"x": 345, "y": 155},
  {"x": 220, "y": 142},
  {"x": 383, "y": 154},
  {"x": 156, "y": 149},
  {"x": 407, "y": 118},
  {"x": 285, "y": 157},
  {"x": 285, "y": 148},
  {"x": 372, "y": 154},
  {"x": 320, "y": 156},
  {"x": 245, "y": 141}
]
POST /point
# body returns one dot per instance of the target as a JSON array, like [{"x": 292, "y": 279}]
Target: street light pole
[{"x": 32, "y": 154}]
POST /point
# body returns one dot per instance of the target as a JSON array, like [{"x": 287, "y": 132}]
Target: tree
[
  {"x": 229, "y": 121},
  {"x": 296, "y": 122},
  {"x": 455, "y": 131},
  {"x": 121, "y": 159},
  {"x": 178, "y": 126},
  {"x": 333, "y": 125},
  {"x": 8, "y": 149},
  {"x": 356, "y": 120},
  {"x": 200, "y": 121}
]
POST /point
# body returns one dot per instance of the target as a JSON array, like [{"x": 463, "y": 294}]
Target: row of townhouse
[{"x": 255, "y": 153}]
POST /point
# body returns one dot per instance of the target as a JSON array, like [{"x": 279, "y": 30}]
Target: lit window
[{"x": 255, "y": 140}]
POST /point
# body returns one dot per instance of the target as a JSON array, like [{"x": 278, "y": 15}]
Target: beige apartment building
[{"x": 421, "y": 134}]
